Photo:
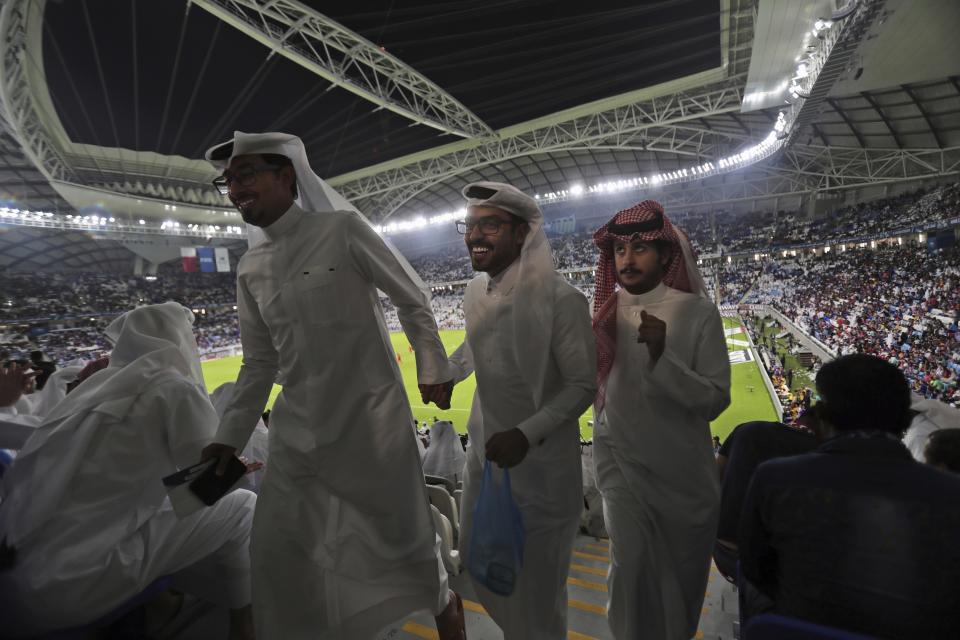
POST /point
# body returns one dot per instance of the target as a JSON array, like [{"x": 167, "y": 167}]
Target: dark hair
[
  {"x": 860, "y": 392},
  {"x": 282, "y": 161},
  {"x": 943, "y": 448}
]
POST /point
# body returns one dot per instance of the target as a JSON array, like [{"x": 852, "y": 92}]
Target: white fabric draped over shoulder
[
  {"x": 84, "y": 505},
  {"x": 445, "y": 456}
]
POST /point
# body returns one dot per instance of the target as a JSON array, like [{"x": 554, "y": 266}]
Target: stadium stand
[{"x": 809, "y": 149}]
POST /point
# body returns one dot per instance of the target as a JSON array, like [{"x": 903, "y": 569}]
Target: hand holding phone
[{"x": 210, "y": 486}]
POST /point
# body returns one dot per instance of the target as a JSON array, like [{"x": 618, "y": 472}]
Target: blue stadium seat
[
  {"x": 153, "y": 591},
  {"x": 5, "y": 461},
  {"x": 769, "y": 626}
]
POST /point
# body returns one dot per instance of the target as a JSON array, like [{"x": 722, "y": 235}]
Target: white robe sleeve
[
  {"x": 259, "y": 369},
  {"x": 703, "y": 388},
  {"x": 461, "y": 362},
  {"x": 380, "y": 264},
  {"x": 574, "y": 352}
]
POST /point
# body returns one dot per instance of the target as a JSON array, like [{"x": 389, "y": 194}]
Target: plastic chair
[
  {"x": 445, "y": 503},
  {"x": 451, "y": 557},
  {"x": 770, "y": 626},
  {"x": 437, "y": 480},
  {"x": 154, "y": 590}
]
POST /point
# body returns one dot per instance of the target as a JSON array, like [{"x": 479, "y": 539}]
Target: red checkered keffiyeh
[{"x": 645, "y": 221}]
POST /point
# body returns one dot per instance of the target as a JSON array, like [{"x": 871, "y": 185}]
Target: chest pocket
[{"x": 318, "y": 295}]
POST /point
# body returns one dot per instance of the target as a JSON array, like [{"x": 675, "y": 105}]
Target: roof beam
[
  {"x": 348, "y": 60},
  {"x": 399, "y": 180},
  {"x": 840, "y": 112},
  {"x": 883, "y": 116},
  {"x": 926, "y": 116}
]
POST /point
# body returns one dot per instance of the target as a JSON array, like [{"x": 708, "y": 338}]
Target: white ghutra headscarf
[
  {"x": 313, "y": 193},
  {"x": 533, "y": 316}
]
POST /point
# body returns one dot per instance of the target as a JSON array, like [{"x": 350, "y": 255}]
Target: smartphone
[{"x": 210, "y": 487}]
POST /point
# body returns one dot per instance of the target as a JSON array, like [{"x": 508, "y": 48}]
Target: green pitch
[{"x": 746, "y": 404}]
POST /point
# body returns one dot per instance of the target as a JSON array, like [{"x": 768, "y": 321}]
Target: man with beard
[
  {"x": 663, "y": 375},
  {"x": 343, "y": 540},
  {"x": 528, "y": 339}
]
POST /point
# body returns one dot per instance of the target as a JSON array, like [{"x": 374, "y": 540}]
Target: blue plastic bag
[{"x": 496, "y": 537}]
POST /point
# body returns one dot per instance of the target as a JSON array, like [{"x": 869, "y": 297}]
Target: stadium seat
[
  {"x": 451, "y": 557},
  {"x": 5, "y": 461},
  {"x": 153, "y": 591},
  {"x": 445, "y": 503},
  {"x": 437, "y": 480},
  {"x": 769, "y": 626}
]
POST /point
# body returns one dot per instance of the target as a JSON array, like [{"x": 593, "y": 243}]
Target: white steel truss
[
  {"x": 803, "y": 170},
  {"x": 19, "y": 67},
  {"x": 347, "y": 60},
  {"x": 652, "y": 124}
]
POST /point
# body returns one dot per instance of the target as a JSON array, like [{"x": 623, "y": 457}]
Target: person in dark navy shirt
[{"x": 856, "y": 535}]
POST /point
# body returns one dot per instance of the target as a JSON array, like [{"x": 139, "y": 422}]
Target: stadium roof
[
  {"x": 114, "y": 102},
  {"x": 173, "y": 78}
]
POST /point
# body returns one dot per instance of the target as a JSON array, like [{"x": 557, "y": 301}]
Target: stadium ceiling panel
[{"x": 24, "y": 249}]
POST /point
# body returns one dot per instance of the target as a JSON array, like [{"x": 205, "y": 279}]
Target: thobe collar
[
  {"x": 654, "y": 295},
  {"x": 285, "y": 223},
  {"x": 503, "y": 283}
]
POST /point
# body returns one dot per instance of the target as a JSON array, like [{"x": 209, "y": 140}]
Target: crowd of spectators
[
  {"x": 793, "y": 390},
  {"x": 68, "y": 295},
  {"x": 64, "y": 315},
  {"x": 900, "y": 303},
  {"x": 758, "y": 231}
]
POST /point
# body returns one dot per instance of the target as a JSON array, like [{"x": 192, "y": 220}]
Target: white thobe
[
  {"x": 932, "y": 415},
  {"x": 655, "y": 465},
  {"x": 547, "y": 484},
  {"x": 115, "y": 532},
  {"x": 343, "y": 538}
]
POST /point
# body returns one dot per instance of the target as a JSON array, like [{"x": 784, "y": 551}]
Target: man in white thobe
[
  {"x": 84, "y": 505},
  {"x": 528, "y": 339},
  {"x": 343, "y": 539},
  {"x": 663, "y": 374}
]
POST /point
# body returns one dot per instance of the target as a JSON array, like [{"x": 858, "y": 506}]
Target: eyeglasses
[
  {"x": 487, "y": 226},
  {"x": 245, "y": 176}
]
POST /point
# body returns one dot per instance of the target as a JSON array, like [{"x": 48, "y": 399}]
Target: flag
[
  {"x": 223, "y": 259},
  {"x": 188, "y": 256},
  {"x": 207, "y": 264}
]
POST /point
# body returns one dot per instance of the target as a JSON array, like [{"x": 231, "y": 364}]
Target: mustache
[{"x": 629, "y": 270}]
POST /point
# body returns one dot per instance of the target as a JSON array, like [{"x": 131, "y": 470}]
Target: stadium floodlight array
[
  {"x": 103, "y": 223},
  {"x": 815, "y": 48}
]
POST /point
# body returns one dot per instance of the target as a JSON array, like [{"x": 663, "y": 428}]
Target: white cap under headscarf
[
  {"x": 532, "y": 320},
  {"x": 150, "y": 343},
  {"x": 313, "y": 193}
]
